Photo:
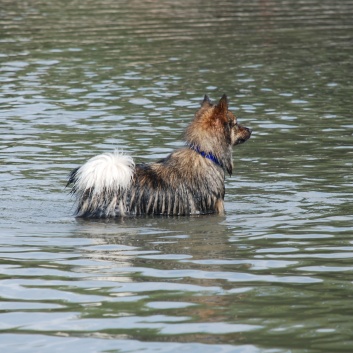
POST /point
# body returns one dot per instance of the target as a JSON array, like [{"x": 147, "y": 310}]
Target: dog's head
[
  {"x": 238, "y": 133},
  {"x": 215, "y": 130}
]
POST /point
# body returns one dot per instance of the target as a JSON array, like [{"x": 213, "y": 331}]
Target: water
[{"x": 274, "y": 274}]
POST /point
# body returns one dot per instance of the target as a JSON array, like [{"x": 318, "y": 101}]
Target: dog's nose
[{"x": 249, "y": 130}]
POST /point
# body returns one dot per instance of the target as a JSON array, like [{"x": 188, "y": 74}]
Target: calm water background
[{"x": 82, "y": 77}]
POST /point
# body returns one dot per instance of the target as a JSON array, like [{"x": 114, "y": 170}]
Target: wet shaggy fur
[{"x": 188, "y": 181}]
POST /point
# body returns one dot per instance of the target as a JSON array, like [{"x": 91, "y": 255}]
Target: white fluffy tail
[{"x": 100, "y": 185}]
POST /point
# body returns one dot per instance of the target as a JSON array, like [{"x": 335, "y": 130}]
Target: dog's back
[{"x": 181, "y": 184}]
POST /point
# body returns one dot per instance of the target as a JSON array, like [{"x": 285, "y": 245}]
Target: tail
[{"x": 100, "y": 185}]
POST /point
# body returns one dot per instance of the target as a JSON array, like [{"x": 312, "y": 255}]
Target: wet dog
[{"x": 188, "y": 181}]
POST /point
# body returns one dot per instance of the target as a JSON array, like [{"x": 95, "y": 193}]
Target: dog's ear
[
  {"x": 222, "y": 107},
  {"x": 206, "y": 101}
]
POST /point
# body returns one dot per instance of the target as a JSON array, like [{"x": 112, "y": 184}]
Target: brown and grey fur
[{"x": 184, "y": 183}]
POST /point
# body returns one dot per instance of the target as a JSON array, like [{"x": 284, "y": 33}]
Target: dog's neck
[{"x": 207, "y": 155}]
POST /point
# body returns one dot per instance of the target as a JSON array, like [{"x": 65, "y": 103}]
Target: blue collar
[{"x": 208, "y": 155}]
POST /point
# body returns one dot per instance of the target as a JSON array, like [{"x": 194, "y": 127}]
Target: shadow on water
[
  {"x": 195, "y": 236},
  {"x": 171, "y": 265}
]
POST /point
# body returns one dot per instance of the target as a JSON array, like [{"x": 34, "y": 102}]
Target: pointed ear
[
  {"x": 222, "y": 106},
  {"x": 206, "y": 100}
]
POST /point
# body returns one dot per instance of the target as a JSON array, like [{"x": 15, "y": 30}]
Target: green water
[{"x": 274, "y": 274}]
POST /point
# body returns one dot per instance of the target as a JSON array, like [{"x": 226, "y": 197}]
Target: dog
[{"x": 189, "y": 181}]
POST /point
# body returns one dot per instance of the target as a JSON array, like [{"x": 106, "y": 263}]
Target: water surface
[{"x": 274, "y": 274}]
